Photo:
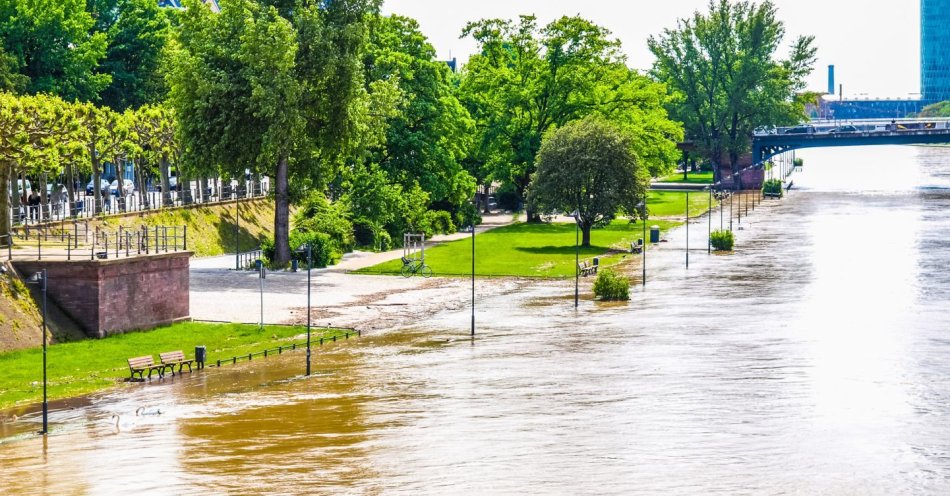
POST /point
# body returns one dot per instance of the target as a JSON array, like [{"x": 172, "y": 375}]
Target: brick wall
[{"x": 114, "y": 296}]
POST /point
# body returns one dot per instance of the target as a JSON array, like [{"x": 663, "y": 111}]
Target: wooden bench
[
  {"x": 172, "y": 358},
  {"x": 139, "y": 365},
  {"x": 637, "y": 247},
  {"x": 586, "y": 268}
]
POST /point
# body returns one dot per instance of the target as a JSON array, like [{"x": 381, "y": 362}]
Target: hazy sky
[{"x": 874, "y": 45}]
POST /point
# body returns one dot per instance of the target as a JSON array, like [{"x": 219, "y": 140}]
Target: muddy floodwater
[{"x": 813, "y": 360}]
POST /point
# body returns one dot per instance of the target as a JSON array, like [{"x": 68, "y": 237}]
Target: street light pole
[
  {"x": 45, "y": 402},
  {"x": 260, "y": 276},
  {"x": 709, "y": 228},
  {"x": 687, "y": 229},
  {"x": 237, "y": 232},
  {"x": 309, "y": 265},
  {"x": 577, "y": 258},
  {"x": 473, "y": 273}
]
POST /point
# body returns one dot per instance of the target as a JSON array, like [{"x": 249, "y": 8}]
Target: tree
[
  {"x": 137, "y": 38},
  {"x": 54, "y": 46},
  {"x": 588, "y": 167},
  {"x": 253, "y": 89},
  {"x": 939, "y": 109},
  {"x": 723, "y": 70},
  {"x": 430, "y": 134},
  {"x": 527, "y": 80}
]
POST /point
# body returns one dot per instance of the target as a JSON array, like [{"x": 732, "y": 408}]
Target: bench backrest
[
  {"x": 172, "y": 356},
  {"x": 141, "y": 362}
]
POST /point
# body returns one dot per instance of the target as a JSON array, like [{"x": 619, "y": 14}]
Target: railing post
[
  {"x": 39, "y": 248},
  {"x": 185, "y": 238}
]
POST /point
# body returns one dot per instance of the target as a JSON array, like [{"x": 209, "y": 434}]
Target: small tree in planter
[
  {"x": 798, "y": 162},
  {"x": 611, "y": 286},
  {"x": 722, "y": 240},
  {"x": 772, "y": 187}
]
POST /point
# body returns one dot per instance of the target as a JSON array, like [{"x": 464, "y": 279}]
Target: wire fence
[{"x": 346, "y": 333}]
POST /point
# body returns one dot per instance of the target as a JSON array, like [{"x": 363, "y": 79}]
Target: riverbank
[{"x": 83, "y": 367}]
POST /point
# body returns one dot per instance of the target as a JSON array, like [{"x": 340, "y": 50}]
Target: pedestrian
[{"x": 34, "y": 205}]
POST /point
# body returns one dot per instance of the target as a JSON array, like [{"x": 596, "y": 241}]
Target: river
[{"x": 813, "y": 360}]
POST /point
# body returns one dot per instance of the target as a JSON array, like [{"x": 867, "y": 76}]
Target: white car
[{"x": 128, "y": 187}]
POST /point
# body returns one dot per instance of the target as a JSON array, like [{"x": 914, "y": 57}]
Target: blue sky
[{"x": 875, "y": 45}]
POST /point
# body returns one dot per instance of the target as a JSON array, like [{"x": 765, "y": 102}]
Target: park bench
[
  {"x": 586, "y": 268},
  {"x": 636, "y": 247},
  {"x": 172, "y": 358},
  {"x": 141, "y": 364}
]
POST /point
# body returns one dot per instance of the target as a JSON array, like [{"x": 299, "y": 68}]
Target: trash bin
[
  {"x": 294, "y": 265},
  {"x": 201, "y": 356},
  {"x": 654, "y": 234},
  {"x": 596, "y": 261}
]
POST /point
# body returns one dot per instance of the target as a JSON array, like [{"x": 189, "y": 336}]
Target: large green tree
[
  {"x": 54, "y": 45},
  {"x": 724, "y": 70},
  {"x": 588, "y": 167},
  {"x": 430, "y": 135},
  {"x": 137, "y": 38},
  {"x": 527, "y": 80},
  {"x": 255, "y": 89}
]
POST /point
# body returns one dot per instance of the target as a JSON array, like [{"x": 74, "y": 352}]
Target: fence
[
  {"x": 345, "y": 334},
  {"x": 69, "y": 242},
  {"x": 59, "y": 208}
]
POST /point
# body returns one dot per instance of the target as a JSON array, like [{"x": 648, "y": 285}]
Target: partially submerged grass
[{"x": 87, "y": 366}]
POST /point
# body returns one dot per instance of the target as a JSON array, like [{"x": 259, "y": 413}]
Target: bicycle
[{"x": 411, "y": 267}]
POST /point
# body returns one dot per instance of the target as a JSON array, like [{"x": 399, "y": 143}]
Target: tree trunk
[
  {"x": 71, "y": 187},
  {"x": 120, "y": 178},
  {"x": 204, "y": 189},
  {"x": 163, "y": 172},
  {"x": 585, "y": 235},
  {"x": 96, "y": 179},
  {"x": 281, "y": 215},
  {"x": 139, "y": 165},
  {"x": 5, "y": 220}
]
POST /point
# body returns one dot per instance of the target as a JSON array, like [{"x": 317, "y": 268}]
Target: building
[{"x": 934, "y": 50}]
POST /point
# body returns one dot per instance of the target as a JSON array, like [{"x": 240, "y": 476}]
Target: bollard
[
  {"x": 39, "y": 249},
  {"x": 219, "y": 363},
  {"x": 321, "y": 341},
  {"x": 280, "y": 350}
]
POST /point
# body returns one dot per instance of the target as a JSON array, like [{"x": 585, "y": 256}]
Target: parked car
[
  {"x": 844, "y": 129},
  {"x": 801, "y": 130},
  {"x": 103, "y": 184},
  {"x": 172, "y": 184},
  {"x": 128, "y": 187}
]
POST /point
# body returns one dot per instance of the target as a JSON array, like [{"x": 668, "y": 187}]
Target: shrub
[
  {"x": 508, "y": 198},
  {"x": 611, "y": 286},
  {"x": 722, "y": 240},
  {"x": 798, "y": 162},
  {"x": 319, "y": 215},
  {"x": 467, "y": 215},
  {"x": 325, "y": 250},
  {"x": 439, "y": 222},
  {"x": 368, "y": 235},
  {"x": 772, "y": 187}
]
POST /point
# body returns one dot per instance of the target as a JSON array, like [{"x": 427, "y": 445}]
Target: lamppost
[
  {"x": 473, "y": 270},
  {"x": 260, "y": 275},
  {"x": 577, "y": 257},
  {"x": 642, "y": 206},
  {"x": 309, "y": 250},
  {"x": 687, "y": 229},
  {"x": 40, "y": 278},
  {"x": 709, "y": 222}
]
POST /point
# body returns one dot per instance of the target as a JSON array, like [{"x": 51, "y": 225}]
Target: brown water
[{"x": 816, "y": 359}]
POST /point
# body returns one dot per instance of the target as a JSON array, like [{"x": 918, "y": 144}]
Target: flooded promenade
[{"x": 814, "y": 359}]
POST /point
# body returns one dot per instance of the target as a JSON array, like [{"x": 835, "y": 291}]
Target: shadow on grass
[{"x": 562, "y": 250}]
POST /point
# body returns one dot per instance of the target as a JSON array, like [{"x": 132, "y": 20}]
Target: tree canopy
[
  {"x": 723, "y": 70},
  {"x": 588, "y": 167}
]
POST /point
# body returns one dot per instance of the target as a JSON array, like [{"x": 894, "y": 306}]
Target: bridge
[{"x": 770, "y": 142}]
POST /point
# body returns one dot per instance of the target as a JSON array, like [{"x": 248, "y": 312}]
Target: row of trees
[
  {"x": 334, "y": 98},
  {"x": 44, "y": 135}
]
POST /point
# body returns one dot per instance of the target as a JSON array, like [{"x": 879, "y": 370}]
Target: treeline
[{"x": 348, "y": 111}]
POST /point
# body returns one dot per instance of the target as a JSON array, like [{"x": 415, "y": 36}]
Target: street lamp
[
  {"x": 473, "y": 270},
  {"x": 577, "y": 256},
  {"x": 309, "y": 249},
  {"x": 709, "y": 222},
  {"x": 262, "y": 272},
  {"x": 642, "y": 206},
  {"x": 40, "y": 278}
]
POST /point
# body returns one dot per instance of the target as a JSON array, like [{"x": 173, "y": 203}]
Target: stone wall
[{"x": 114, "y": 296}]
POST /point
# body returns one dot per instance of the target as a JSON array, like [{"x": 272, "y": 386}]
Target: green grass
[
  {"x": 527, "y": 250},
  {"x": 673, "y": 203},
  {"x": 691, "y": 178},
  {"x": 84, "y": 367}
]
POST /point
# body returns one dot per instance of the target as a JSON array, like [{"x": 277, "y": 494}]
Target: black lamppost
[
  {"x": 577, "y": 257},
  {"x": 473, "y": 271},
  {"x": 687, "y": 229},
  {"x": 309, "y": 250},
  {"x": 709, "y": 221},
  {"x": 642, "y": 206},
  {"x": 40, "y": 278},
  {"x": 262, "y": 272}
]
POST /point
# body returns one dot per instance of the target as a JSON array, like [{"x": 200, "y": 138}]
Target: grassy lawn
[
  {"x": 673, "y": 203},
  {"x": 83, "y": 367},
  {"x": 691, "y": 178},
  {"x": 529, "y": 250}
]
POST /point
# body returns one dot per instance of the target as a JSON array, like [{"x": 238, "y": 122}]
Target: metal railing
[
  {"x": 69, "y": 242},
  {"x": 85, "y": 207},
  {"x": 247, "y": 259}
]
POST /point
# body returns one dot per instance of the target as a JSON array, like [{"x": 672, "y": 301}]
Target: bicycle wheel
[
  {"x": 426, "y": 271},
  {"x": 406, "y": 270}
]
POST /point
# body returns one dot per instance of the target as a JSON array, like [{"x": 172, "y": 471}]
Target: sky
[{"x": 874, "y": 45}]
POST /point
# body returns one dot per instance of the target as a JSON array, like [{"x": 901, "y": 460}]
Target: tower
[{"x": 934, "y": 52}]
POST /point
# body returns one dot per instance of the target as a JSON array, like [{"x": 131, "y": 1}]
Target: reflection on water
[{"x": 813, "y": 360}]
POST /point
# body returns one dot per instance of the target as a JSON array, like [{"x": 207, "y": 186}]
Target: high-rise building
[{"x": 934, "y": 50}]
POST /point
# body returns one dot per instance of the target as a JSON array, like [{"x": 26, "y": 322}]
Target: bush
[
  {"x": 367, "y": 235},
  {"x": 722, "y": 240},
  {"x": 325, "y": 250},
  {"x": 439, "y": 222},
  {"x": 798, "y": 162},
  {"x": 467, "y": 215},
  {"x": 319, "y": 215},
  {"x": 772, "y": 187},
  {"x": 611, "y": 286}
]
